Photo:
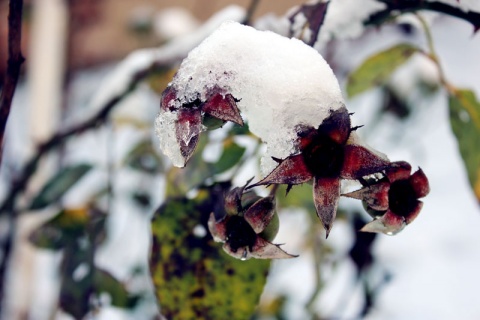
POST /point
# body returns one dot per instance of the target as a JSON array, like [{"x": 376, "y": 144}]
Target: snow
[
  {"x": 280, "y": 83},
  {"x": 119, "y": 80}
]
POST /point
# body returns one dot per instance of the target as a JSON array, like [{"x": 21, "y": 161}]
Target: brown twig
[
  {"x": 250, "y": 11},
  {"x": 395, "y": 8},
  {"x": 8, "y": 206},
  {"x": 14, "y": 62}
]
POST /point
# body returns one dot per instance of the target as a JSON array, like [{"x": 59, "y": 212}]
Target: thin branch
[
  {"x": 396, "y": 8},
  {"x": 57, "y": 139},
  {"x": 250, "y": 12},
  {"x": 14, "y": 62}
]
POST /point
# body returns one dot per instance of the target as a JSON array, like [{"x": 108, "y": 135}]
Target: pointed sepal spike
[
  {"x": 187, "y": 130},
  {"x": 218, "y": 229},
  {"x": 168, "y": 97},
  {"x": 263, "y": 249},
  {"x": 389, "y": 224},
  {"x": 419, "y": 182},
  {"x": 375, "y": 196},
  {"x": 412, "y": 215},
  {"x": 260, "y": 214},
  {"x": 292, "y": 170},
  {"x": 336, "y": 126},
  {"x": 398, "y": 170},
  {"x": 326, "y": 193},
  {"x": 360, "y": 161},
  {"x": 223, "y": 107}
]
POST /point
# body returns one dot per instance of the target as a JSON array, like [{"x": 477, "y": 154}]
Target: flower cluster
[
  {"x": 191, "y": 116},
  {"x": 326, "y": 155},
  {"x": 247, "y": 227},
  {"x": 393, "y": 200}
]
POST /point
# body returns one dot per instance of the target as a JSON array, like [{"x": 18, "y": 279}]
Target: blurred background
[{"x": 86, "y": 202}]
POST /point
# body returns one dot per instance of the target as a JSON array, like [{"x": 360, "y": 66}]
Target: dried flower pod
[
  {"x": 248, "y": 227},
  {"x": 327, "y": 154},
  {"x": 397, "y": 196}
]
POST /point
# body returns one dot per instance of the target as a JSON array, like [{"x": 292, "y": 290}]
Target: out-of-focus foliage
[
  {"x": 465, "y": 122},
  {"x": 143, "y": 157},
  {"x": 58, "y": 185},
  {"x": 77, "y": 232},
  {"x": 193, "y": 277},
  {"x": 376, "y": 70}
]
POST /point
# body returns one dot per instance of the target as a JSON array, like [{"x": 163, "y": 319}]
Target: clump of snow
[{"x": 280, "y": 83}]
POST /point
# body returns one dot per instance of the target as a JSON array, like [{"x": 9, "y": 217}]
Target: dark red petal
[
  {"x": 187, "y": 129},
  {"x": 168, "y": 96},
  {"x": 337, "y": 125},
  {"x": 359, "y": 162},
  {"x": 233, "y": 198},
  {"x": 233, "y": 202},
  {"x": 420, "y": 183},
  {"x": 260, "y": 214},
  {"x": 376, "y": 196},
  {"x": 326, "y": 192},
  {"x": 291, "y": 171},
  {"x": 305, "y": 135},
  {"x": 398, "y": 171},
  {"x": 266, "y": 250},
  {"x": 389, "y": 224},
  {"x": 223, "y": 107},
  {"x": 218, "y": 229},
  {"x": 414, "y": 213}
]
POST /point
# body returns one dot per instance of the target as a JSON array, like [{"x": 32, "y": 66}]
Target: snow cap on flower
[{"x": 277, "y": 83}]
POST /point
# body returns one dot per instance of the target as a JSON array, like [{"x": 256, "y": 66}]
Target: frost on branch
[{"x": 275, "y": 82}]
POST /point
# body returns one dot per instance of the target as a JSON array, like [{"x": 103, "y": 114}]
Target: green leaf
[
  {"x": 68, "y": 226},
  {"x": 193, "y": 277},
  {"x": 232, "y": 153},
  {"x": 143, "y": 157},
  {"x": 300, "y": 196},
  {"x": 182, "y": 180},
  {"x": 105, "y": 282},
  {"x": 465, "y": 122},
  {"x": 58, "y": 185},
  {"x": 377, "y": 69}
]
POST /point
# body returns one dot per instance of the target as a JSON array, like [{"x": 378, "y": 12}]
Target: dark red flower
[
  {"x": 395, "y": 197},
  {"x": 326, "y": 155},
  {"x": 218, "y": 104},
  {"x": 248, "y": 226}
]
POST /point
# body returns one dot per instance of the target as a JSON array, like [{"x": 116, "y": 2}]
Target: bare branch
[
  {"x": 14, "y": 62},
  {"x": 394, "y": 8}
]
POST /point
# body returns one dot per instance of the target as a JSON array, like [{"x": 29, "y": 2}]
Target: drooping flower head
[
  {"x": 248, "y": 226},
  {"x": 190, "y": 116},
  {"x": 394, "y": 198},
  {"x": 326, "y": 155}
]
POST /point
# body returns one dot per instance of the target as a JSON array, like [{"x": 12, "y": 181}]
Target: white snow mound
[{"x": 280, "y": 83}]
